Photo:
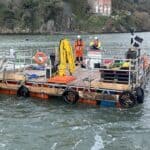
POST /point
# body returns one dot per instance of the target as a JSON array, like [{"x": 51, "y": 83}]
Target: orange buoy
[{"x": 40, "y": 58}]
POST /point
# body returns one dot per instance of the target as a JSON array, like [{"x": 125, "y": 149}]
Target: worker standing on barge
[
  {"x": 79, "y": 50},
  {"x": 95, "y": 44}
]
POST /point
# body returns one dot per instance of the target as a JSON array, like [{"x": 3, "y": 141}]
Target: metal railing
[
  {"x": 133, "y": 70},
  {"x": 21, "y": 58},
  {"x": 15, "y": 59}
]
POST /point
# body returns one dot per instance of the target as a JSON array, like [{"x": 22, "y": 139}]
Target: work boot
[{"x": 83, "y": 66}]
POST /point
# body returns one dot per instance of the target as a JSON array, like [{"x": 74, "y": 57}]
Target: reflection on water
[{"x": 54, "y": 125}]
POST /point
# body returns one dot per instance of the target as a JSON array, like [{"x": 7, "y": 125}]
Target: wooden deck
[
  {"x": 111, "y": 86},
  {"x": 84, "y": 79}
]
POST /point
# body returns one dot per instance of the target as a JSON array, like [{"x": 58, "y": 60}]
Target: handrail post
[
  {"x": 137, "y": 70},
  {"x": 129, "y": 82}
]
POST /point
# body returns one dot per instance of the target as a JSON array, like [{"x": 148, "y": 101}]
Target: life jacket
[
  {"x": 79, "y": 46},
  {"x": 79, "y": 43}
]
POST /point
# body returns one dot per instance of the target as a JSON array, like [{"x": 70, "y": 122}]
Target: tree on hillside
[
  {"x": 118, "y": 5},
  {"x": 7, "y": 17},
  {"x": 28, "y": 17},
  {"x": 49, "y": 9},
  {"x": 79, "y": 7}
]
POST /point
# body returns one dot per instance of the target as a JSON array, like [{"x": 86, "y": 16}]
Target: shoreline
[{"x": 69, "y": 33}]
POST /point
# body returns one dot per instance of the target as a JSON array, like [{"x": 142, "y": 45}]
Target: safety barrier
[
  {"x": 16, "y": 59},
  {"x": 130, "y": 75}
]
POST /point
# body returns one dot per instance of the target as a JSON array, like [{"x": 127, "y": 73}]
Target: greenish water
[{"x": 33, "y": 124}]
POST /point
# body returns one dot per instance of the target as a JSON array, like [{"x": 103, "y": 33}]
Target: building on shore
[{"x": 101, "y": 7}]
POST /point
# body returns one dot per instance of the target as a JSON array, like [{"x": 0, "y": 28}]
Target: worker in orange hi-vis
[{"x": 79, "y": 50}]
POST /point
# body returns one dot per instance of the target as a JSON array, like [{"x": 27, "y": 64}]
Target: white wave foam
[
  {"x": 79, "y": 128},
  {"x": 2, "y": 145},
  {"x": 54, "y": 146},
  {"x": 98, "y": 143},
  {"x": 77, "y": 143},
  {"x": 109, "y": 135}
]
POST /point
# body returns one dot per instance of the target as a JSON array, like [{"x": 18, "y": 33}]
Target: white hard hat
[
  {"x": 78, "y": 37},
  {"x": 95, "y": 37}
]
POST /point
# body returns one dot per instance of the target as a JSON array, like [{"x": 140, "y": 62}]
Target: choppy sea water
[{"x": 33, "y": 124}]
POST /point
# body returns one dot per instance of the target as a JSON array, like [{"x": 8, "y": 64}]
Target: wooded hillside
[{"x": 50, "y": 16}]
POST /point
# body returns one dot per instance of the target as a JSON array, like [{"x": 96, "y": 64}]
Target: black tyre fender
[
  {"x": 127, "y": 99},
  {"x": 70, "y": 96},
  {"x": 139, "y": 92},
  {"x": 23, "y": 91}
]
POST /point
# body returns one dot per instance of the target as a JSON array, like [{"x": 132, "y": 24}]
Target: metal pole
[
  {"x": 129, "y": 82},
  {"x": 137, "y": 72}
]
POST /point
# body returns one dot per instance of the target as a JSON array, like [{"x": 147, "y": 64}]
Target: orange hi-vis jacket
[{"x": 79, "y": 48}]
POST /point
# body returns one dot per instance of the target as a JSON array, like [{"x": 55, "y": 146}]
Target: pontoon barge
[{"x": 104, "y": 86}]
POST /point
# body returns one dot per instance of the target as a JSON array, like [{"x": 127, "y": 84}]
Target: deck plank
[
  {"x": 111, "y": 86},
  {"x": 84, "y": 78}
]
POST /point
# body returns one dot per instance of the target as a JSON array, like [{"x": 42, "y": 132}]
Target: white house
[{"x": 102, "y": 7}]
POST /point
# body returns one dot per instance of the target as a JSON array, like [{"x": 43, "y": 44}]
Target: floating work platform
[
  {"x": 85, "y": 86},
  {"x": 103, "y": 86}
]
